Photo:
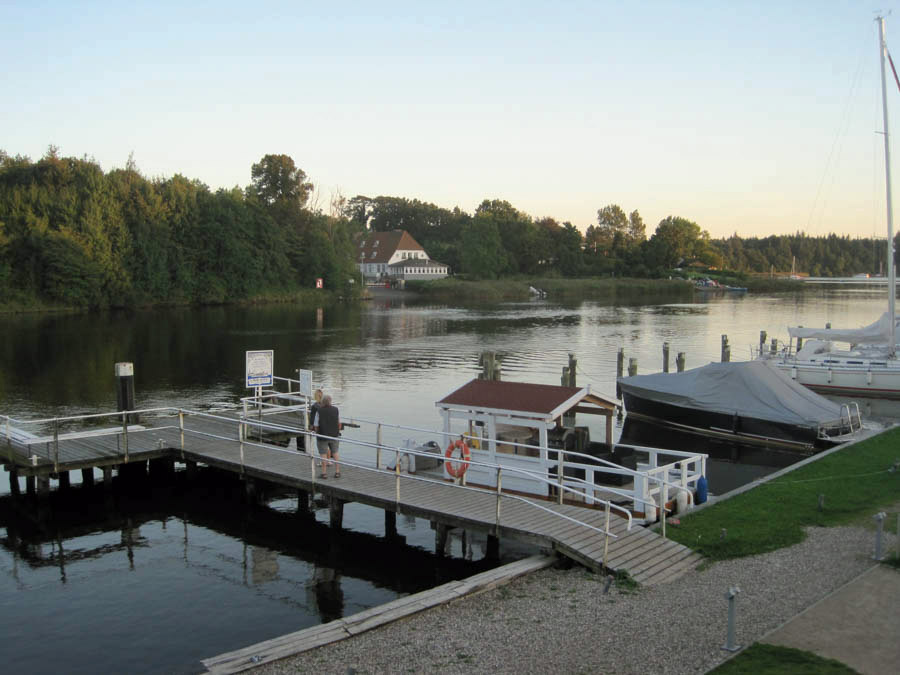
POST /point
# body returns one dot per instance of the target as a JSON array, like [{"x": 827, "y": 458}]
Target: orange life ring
[{"x": 458, "y": 469}]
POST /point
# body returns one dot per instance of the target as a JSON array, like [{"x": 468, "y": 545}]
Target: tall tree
[{"x": 275, "y": 178}]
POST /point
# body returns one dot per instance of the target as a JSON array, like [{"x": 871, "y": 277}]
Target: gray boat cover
[
  {"x": 880, "y": 331},
  {"x": 751, "y": 389}
]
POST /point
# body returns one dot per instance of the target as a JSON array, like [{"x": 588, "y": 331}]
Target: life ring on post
[{"x": 459, "y": 468}]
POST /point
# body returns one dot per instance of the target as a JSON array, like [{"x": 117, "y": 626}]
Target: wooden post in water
[
  {"x": 632, "y": 367},
  {"x": 390, "y": 524},
  {"x": 620, "y": 362},
  {"x": 568, "y": 380},
  {"x": 13, "y": 481},
  {"x": 665, "y": 357},
  {"x": 336, "y": 513},
  {"x": 726, "y": 350},
  {"x": 441, "y": 532},
  {"x": 492, "y": 551},
  {"x": 107, "y": 476},
  {"x": 490, "y": 366},
  {"x": 799, "y": 341},
  {"x": 679, "y": 362},
  {"x": 64, "y": 482},
  {"x": 762, "y": 341},
  {"x": 774, "y": 346},
  {"x": 87, "y": 477},
  {"x": 303, "y": 502}
]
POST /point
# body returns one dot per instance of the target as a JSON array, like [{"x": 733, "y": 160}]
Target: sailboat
[{"x": 870, "y": 366}]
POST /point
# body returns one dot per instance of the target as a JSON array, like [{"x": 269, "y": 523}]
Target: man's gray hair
[{"x": 326, "y": 400}]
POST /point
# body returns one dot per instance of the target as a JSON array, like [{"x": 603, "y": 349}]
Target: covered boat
[{"x": 752, "y": 400}]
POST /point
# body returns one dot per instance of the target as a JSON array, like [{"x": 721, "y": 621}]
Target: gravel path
[{"x": 560, "y": 620}]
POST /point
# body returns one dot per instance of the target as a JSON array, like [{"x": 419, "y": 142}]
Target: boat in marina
[
  {"x": 751, "y": 401},
  {"x": 852, "y": 362}
]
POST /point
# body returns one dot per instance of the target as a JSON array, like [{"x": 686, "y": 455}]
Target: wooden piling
[
  {"x": 490, "y": 366},
  {"x": 665, "y": 357},
  {"x": 64, "y": 481},
  {"x": 13, "y": 481},
  {"x": 441, "y": 532},
  {"x": 679, "y": 362},
  {"x": 87, "y": 477},
  {"x": 107, "y": 476},
  {"x": 620, "y": 362},
  {"x": 43, "y": 485},
  {"x": 762, "y": 341},
  {"x": 569, "y": 380},
  {"x": 390, "y": 524},
  {"x": 492, "y": 552},
  {"x": 303, "y": 502},
  {"x": 632, "y": 367},
  {"x": 336, "y": 513},
  {"x": 726, "y": 350},
  {"x": 799, "y": 341},
  {"x": 29, "y": 485}
]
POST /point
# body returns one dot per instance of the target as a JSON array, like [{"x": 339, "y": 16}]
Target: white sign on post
[
  {"x": 305, "y": 377},
  {"x": 261, "y": 368}
]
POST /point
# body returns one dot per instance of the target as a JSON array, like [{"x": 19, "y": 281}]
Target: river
[{"x": 155, "y": 579}]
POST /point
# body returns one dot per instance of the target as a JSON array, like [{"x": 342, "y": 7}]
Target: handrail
[{"x": 612, "y": 506}]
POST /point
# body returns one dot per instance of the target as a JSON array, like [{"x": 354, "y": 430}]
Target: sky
[{"x": 753, "y": 118}]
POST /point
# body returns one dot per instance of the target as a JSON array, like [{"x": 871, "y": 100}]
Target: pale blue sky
[{"x": 754, "y": 117}]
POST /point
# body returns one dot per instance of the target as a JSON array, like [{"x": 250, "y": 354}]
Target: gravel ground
[{"x": 560, "y": 621}]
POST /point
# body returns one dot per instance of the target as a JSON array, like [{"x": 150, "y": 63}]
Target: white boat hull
[{"x": 879, "y": 380}]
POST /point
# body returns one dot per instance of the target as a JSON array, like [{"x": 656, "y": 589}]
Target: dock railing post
[
  {"x": 378, "y": 446},
  {"x": 663, "y": 498},
  {"x": 397, "y": 479},
  {"x": 499, "y": 494},
  {"x": 56, "y": 444},
  {"x": 560, "y": 470},
  {"x": 606, "y": 536},
  {"x": 125, "y": 434}
]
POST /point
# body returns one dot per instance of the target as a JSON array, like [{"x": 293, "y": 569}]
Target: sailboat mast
[{"x": 892, "y": 286}]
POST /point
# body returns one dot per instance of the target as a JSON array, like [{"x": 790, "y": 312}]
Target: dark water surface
[{"x": 152, "y": 578}]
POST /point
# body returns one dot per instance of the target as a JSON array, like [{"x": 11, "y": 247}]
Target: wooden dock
[{"x": 213, "y": 440}]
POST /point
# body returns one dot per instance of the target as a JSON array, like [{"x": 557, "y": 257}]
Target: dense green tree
[{"x": 275, "y": 178}]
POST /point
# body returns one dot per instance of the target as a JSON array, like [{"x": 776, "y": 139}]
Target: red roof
[
  {"x": 540, "y": 399},
  {"x": 384, "y": 244}
]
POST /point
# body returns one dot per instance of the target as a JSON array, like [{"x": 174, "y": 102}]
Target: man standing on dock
[{"x": 328, "y": 424}]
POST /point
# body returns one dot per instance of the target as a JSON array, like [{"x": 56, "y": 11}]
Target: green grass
[
  {"x": 772, "y": 660},
  {"x": 857, "y": 483}
]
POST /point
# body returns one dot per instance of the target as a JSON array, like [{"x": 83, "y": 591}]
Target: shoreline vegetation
[{"x": 449, "y": 289}]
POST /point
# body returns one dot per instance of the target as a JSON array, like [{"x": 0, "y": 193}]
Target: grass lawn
[
  {"x": 857, "y": 482},
  {"x": 771, "y": 660}
]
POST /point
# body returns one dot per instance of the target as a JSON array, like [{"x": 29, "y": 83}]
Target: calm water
[{"x": 154, "y": 579}]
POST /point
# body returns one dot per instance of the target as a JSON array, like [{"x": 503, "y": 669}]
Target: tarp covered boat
[{"x": 749, "y": 399}]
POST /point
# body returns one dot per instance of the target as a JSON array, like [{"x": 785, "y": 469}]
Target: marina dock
[{"x": 596, "y": 538}]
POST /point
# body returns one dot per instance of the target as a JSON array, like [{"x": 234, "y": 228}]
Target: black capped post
[{"x": 125, "y": 390}]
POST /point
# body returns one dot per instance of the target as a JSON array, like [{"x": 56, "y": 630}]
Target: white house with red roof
[{"x": 396, "y": 255}]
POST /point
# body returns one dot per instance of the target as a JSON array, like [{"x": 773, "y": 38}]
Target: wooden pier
[{"x": 215, "y": 440}]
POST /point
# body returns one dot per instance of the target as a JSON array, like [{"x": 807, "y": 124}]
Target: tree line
[{"x": 73, "y": 235}]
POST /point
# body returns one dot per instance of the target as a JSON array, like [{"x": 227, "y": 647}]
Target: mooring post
[
  {"x": 726, "y": 350},
  {"x": 679, "y": 362},
  {"x": 29, "y": 485},
  {"x": 13, "y": 481},
  {"x": 774, "y": 348},
  {"x": 620, "y": 362},
  {"x": 730, "y": 646},
  {"x": 632, "y": 367},
  {"x": 762, "y": 341},
  {"x": 665, "y": 357},
  {"x": 799, "y": 341},
  {"x": 87, "y": 477},
  {"x": 43, "y": 485},
  {"x": 107, "y": 476},
  {"x": 125, "y": 390},
  {"x": 64, "y": 482}
]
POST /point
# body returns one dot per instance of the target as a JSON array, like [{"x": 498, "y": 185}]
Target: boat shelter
[{"x": 517, "y": 411}]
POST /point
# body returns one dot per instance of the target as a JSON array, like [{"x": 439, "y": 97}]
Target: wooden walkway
[{"x": 645, "y": 555}]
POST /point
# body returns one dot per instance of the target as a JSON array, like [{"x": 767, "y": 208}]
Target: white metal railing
[{"x": 649, "y": 487}]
